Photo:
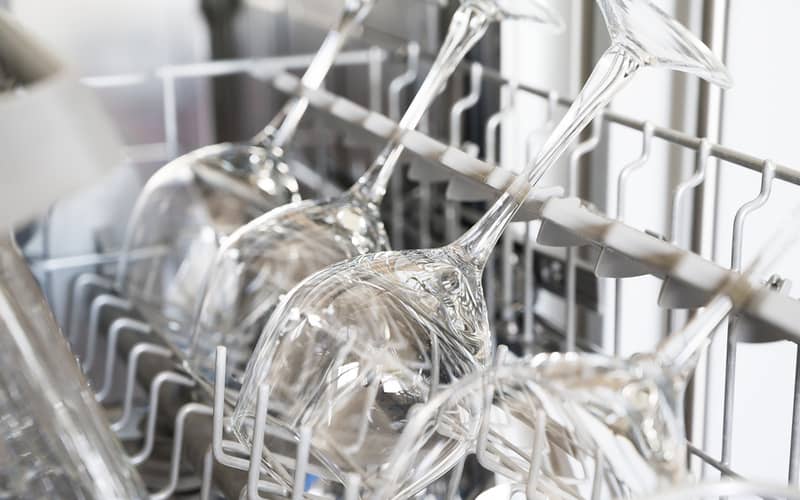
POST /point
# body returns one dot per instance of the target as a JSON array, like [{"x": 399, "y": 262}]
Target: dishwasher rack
[{"x": 194, "y": 415}]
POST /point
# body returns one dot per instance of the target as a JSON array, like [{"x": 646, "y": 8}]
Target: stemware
[
  {"x": 326, "y": 347},
  {"x": 193, "y": 203},
  {"x": 55, "y": 441},
  {"x": 620, "y": 420},
  {"x": 268, "y": 257}
]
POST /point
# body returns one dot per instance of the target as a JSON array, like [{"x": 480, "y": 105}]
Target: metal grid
[{"x": 435, "y": 223}]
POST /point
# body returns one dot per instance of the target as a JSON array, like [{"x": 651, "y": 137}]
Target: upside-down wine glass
[
  {"x": 272, "y": 254},
  {"x": 55, "y": 441},
  {"x": 331, "y": 348},
  {"x": 625, "y": 415},
  {"x": 191, "y": 205}
]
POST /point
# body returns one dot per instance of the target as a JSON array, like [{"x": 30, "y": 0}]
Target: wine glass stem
[
  {"x": 613, "y": 71},
  {"x": 467, "y": 27},
  {"x": 678, "y": 354},
  {"x": 283, "y": 127}
]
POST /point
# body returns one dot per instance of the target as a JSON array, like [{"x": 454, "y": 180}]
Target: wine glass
[
  {"x": 268, "y": 257},
  {"x": 439, "y": 433},
  {"x": 328, "y": 341},
  {"x": 196, "y": 201},
  {"x": 56, "y": 441},
  {"x": 620, "y": 420}
]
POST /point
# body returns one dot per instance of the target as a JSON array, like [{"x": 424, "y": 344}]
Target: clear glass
[
  {"x": 429, "y": 303},
  {"x": 55, "y": 441},
  {"x": 196, "y": 201},
  {"x": 593, "y": 406},
  {"x": 626, "y": 414},
  {"x": 266, "y": 259}
]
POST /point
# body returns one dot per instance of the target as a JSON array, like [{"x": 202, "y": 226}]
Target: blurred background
[{"x": 126, "y": 50}]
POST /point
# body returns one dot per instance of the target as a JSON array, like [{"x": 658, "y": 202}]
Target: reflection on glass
[
  {"x": 267, "y": 258},
  {"x": 54, "y": 440},
  {"x": 194, "y": 203}
]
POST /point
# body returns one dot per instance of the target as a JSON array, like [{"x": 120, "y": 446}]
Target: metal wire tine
[
  {"x": 218, "y": 424},
  {"x": 507, "y": 276},
  {"x": 507, "y": 250},
  {"x": 301, "y": 464},
  {"x": 546, "y": 126},
  {"x": 628, "y": 170},
  {"x": 529, "y": 295},
  {"x": 170, "y": 105},
  {"x": 680, "y": 197},
  {"x": 767, "y": 176},
  {"x": 425, "y": 205},
  {"x": 377, "y": 56},
  {"x": 220, "y": 445},
  {"x": 130, "y": 381},
  {"x": 452, "y": 208},
  {"x": 794, "y": 449},
  {"x": 208, "y": 473},
  {"x": 528, "y": 251},
  {"x": 397, "y": 85},
  {"x": 117, "y": 327},
  {"x": 99, "y": 305},
  {"x": 537, "y": 455},
  {"x": 395, "y": 89},
  {"x": 75, "y": 308},
  {"x": 163, "y": 378},
  {"x": 494, "y": 122},
  {"x": 465, "y": 103},
  {"x": 177, "y": 448},
  {"x": 254, "y": 472},
  {"x": 737, "y": 242},
  {"x": 581, "y": 150},
  {"x": 46, "y": 284},
  {"x": 425, "y": 194},
  {"x": 622, "y": 191},
  {"x": 683, "y": 189}
]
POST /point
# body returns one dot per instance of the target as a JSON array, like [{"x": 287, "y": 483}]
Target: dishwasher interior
[{"x": 654, "y": 224}]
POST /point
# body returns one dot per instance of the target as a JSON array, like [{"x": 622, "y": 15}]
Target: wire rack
[{"x": 445, "y": 187}]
